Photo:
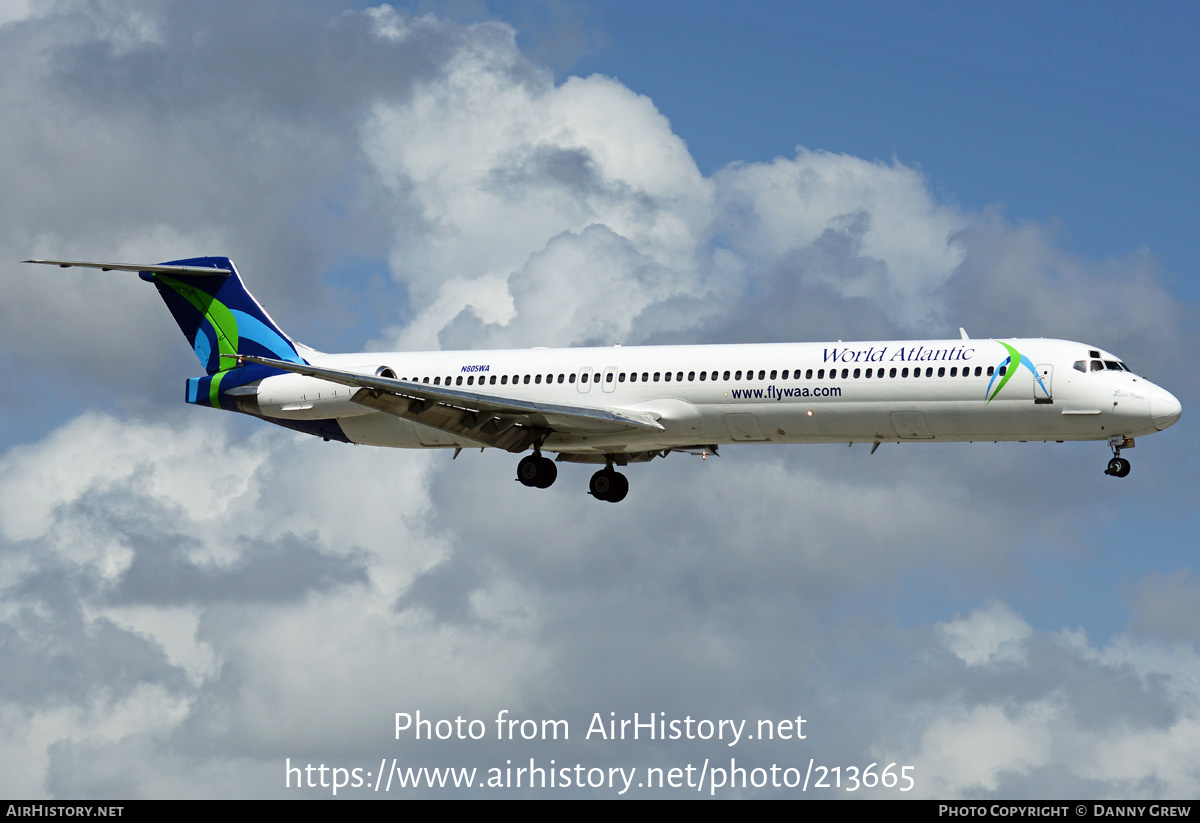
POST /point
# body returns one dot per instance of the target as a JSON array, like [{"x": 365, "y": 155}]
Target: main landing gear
[
  {"x": 1118, "y": 466},
  {"x": 535, "y": 470},
  {"x": 540, "y": 472},
  {"x": 609, "y": 485}
]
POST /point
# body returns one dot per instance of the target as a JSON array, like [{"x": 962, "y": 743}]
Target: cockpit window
[
  {"x": 1080, "y": 365},
  {"x": 1097, "y": 365},
  {"x": 1112, "y": 365}
]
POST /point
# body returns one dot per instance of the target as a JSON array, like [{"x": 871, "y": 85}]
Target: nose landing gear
[{"x": 1118, "y": 466}]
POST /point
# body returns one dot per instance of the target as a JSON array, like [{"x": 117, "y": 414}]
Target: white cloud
[
  {"x": 993, "y": 634},
  {"x": 14, "y": 11},
  {"x": 963, "y": 754}
]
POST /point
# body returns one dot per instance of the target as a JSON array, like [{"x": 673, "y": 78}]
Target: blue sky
[
  {"x": 188, "y": 600},
  {"x": 1078, "y": 113}
]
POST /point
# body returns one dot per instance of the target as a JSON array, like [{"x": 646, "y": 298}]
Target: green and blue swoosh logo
[{"x": 1014, "y": 357}]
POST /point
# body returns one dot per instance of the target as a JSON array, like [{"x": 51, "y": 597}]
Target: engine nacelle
[{"x": 300, "y": 397}]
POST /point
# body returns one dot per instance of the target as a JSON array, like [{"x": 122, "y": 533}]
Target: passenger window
[
  {"x": 784, "y": 376},
  {"x": 808, "y": 374},
  {"x": 571, "y": 377},
  {"x": 904, "y": 372},
  {"x": 656, "y": 377},
  {"x": 691, "y": 376},
  {"x": 537, "y": 378},
  {"x": 845, "y": 373},
  {"x": 990, "y": 371},
  {"x": 608, "y": 378},
  {"x": 666, "y": 377},
  {"x": 941, "y": 371},
  {"x": 702, "y": 374},
  {"x": 561, "y": 377},
  {"x": 526, "y": 380},
  {"x": 737, "y": 375},
  {"x": 762, "y": 374},
  {"x": 773, "y": 373},
  {"x": 504, "y": 380},
  {"x": 857, "y": 372}
]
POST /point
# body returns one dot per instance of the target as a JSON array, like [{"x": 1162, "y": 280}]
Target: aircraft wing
[{"x": 503, "y": 422}]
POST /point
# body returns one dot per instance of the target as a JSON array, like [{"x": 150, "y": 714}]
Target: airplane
[{"x": 620, "y": 405}]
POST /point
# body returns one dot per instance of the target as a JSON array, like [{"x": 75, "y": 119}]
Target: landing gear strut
[
  {"x": 1118, "y": 466},
  {"x": 535, "y": 470},
  {"x": 609, "y": 485}
]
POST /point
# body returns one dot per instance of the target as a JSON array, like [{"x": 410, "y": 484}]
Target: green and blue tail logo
[
  {"x": 220, "y": 318},
  {"x": 1007, "y": 368}
]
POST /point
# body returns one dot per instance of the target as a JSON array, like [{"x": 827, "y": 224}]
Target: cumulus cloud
[
  {"x": 987, "y": 635},
  {"x": 1021, "y": 713}
]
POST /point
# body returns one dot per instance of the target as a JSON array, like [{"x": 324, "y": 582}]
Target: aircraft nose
[{"x": 1164, "y": 409}]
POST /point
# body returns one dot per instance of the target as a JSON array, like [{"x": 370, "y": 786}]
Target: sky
[{"x": 191, "y": 602}]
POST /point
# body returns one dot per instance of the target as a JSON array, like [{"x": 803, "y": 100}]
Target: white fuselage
[{"x": 886, "y": 391}]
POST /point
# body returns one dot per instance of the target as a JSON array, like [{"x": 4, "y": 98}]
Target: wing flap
[{"x": 486, "y": 428}]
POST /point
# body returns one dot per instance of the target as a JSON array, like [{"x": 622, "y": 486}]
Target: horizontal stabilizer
[{"x": 191, "y": 271}]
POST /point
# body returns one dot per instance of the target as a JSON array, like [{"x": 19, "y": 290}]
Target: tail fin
[
  {"x": 217, "y": 314},
  {"x": 212, "y": 307}
]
